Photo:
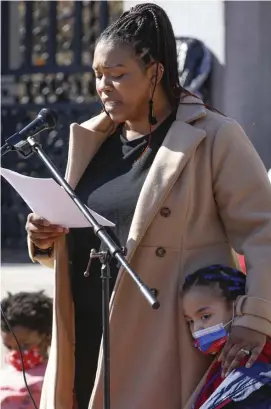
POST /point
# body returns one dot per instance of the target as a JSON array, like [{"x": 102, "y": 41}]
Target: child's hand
[{"x": 240, "y": 340}]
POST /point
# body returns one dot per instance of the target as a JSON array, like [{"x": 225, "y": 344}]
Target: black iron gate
[{"x": 46, "y": 55}]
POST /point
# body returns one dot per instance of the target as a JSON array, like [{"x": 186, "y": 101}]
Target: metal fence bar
[
  {"x": 77, "y": 36},
  {"x": 28, "y": 38},
  {"x": 4, "y": 36},
  {"x": 52, "y": 33},
  {"x": 104, "y": 15}
]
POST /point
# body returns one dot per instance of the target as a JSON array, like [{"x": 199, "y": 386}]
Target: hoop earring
[{"x": 152, "y": 119}]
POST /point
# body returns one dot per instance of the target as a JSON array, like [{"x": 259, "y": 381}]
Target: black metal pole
[
  {"x": 105, "y": 276},
  {"x": 105, "y": 258}
]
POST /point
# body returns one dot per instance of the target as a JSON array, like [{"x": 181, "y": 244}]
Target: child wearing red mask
[
  {"x": 209, "y": 297},
  {"x": 29, "y": 314}
]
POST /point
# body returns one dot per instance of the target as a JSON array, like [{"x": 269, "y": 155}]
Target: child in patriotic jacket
[
  {"x": 209, "y": 298},
  {"x": 29, "y": 315}
]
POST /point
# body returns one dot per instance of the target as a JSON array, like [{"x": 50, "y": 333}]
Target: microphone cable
[{"x": 21, "y": 357}]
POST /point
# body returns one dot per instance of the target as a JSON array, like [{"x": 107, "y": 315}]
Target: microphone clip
[
  {"x": 24, "y": 148},
  {"x": 14, "y": 143}
]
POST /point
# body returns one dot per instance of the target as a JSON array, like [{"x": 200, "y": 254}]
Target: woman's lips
[{"x": 111, "y": 104}]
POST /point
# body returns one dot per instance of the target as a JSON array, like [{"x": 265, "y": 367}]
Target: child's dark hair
[
  {"x": 231, "y": 282},
  {"x": 148, "y": 30},
  {"x": 32, "y": 310}
]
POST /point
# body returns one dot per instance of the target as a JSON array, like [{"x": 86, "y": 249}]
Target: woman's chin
[{"x": 117, "y": 117}]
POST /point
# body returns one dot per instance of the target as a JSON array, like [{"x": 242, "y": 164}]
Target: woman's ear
[{"x": 156, "y": 73}]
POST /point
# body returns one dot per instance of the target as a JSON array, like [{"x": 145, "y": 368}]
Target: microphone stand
[{"x": 26, "y": 148}]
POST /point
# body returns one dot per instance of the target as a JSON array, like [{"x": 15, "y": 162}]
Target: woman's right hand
[{"x": 41, "y": 232}]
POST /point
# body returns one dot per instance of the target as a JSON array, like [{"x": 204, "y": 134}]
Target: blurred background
[{"x": 224, "y": 52}]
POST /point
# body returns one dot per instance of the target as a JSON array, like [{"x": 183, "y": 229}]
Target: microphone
[{"x": 46, "y": 119}]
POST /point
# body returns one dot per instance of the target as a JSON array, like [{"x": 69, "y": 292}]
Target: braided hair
[
  {"x": 148, "y": 30},
  {"x": 32, "y": 310},
  {"x": 231, "y": 282}
]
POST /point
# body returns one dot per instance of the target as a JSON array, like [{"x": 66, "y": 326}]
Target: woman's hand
[
  {"x": 41, "y": 232},
  {"x": 240, "y": 340}
]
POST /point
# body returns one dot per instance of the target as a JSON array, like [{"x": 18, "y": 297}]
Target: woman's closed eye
[
  {"x": 117, "y": 77},
  {"x": 113, "y": 77}
]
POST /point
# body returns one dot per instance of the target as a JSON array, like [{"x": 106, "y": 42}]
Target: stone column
[{"x": 247, "y": 74}]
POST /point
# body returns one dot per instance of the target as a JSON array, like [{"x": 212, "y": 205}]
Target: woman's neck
[{"x": 141, "y": 126}]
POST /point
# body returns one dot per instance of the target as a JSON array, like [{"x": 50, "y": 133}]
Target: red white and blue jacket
[{"x": 243, "y": 388}]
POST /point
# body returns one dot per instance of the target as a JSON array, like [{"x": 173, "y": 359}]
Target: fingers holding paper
[{"x": 41, "y": 232}]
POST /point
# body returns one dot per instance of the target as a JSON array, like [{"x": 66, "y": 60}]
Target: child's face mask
[
  {"x": 210, "y": 340},
  {"x": 31, "y": 358},
  {"x": 34, "y": 346}
]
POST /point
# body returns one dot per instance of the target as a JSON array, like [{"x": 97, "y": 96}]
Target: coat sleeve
[{"x": 242, "y": 192}]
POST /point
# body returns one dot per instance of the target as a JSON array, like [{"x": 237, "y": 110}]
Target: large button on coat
[
  {"x": 160, "y": 252},
  {"x": 165, "y": 212}
]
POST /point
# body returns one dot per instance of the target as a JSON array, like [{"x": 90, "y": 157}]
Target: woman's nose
[{"x": 105, "y": 85}]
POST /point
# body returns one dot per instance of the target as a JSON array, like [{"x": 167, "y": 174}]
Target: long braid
[
  {"x": 231, "y": 282},
  {"x": 146, "y": 27}
]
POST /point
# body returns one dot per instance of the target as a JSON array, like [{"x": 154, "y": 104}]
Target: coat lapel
[
  {"x": 83, "y": 145},
  {"x": 180, "y": 142}
]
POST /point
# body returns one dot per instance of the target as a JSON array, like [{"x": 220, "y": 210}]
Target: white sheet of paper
[{"x": 49, "y": 200}]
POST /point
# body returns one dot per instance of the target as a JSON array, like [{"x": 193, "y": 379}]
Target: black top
[{"x": 110, "y": 186}]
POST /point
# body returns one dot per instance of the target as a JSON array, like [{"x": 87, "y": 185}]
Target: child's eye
[{"x": 205, "y": 317}]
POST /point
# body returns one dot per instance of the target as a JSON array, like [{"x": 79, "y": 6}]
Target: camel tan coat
[{"x": 214, "y": 184}]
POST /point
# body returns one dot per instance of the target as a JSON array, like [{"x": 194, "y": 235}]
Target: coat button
[
  {"x": 160, "y": 252},
  {"x": 165, "y": 212}
]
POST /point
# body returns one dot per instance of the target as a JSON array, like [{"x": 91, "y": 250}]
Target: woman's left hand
[{"x": 240, "y": 340}]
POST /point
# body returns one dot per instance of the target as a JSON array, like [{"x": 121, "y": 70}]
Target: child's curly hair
[
  {"x": 231, "y": 282},
  {"x": 32, "y": 310}
]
